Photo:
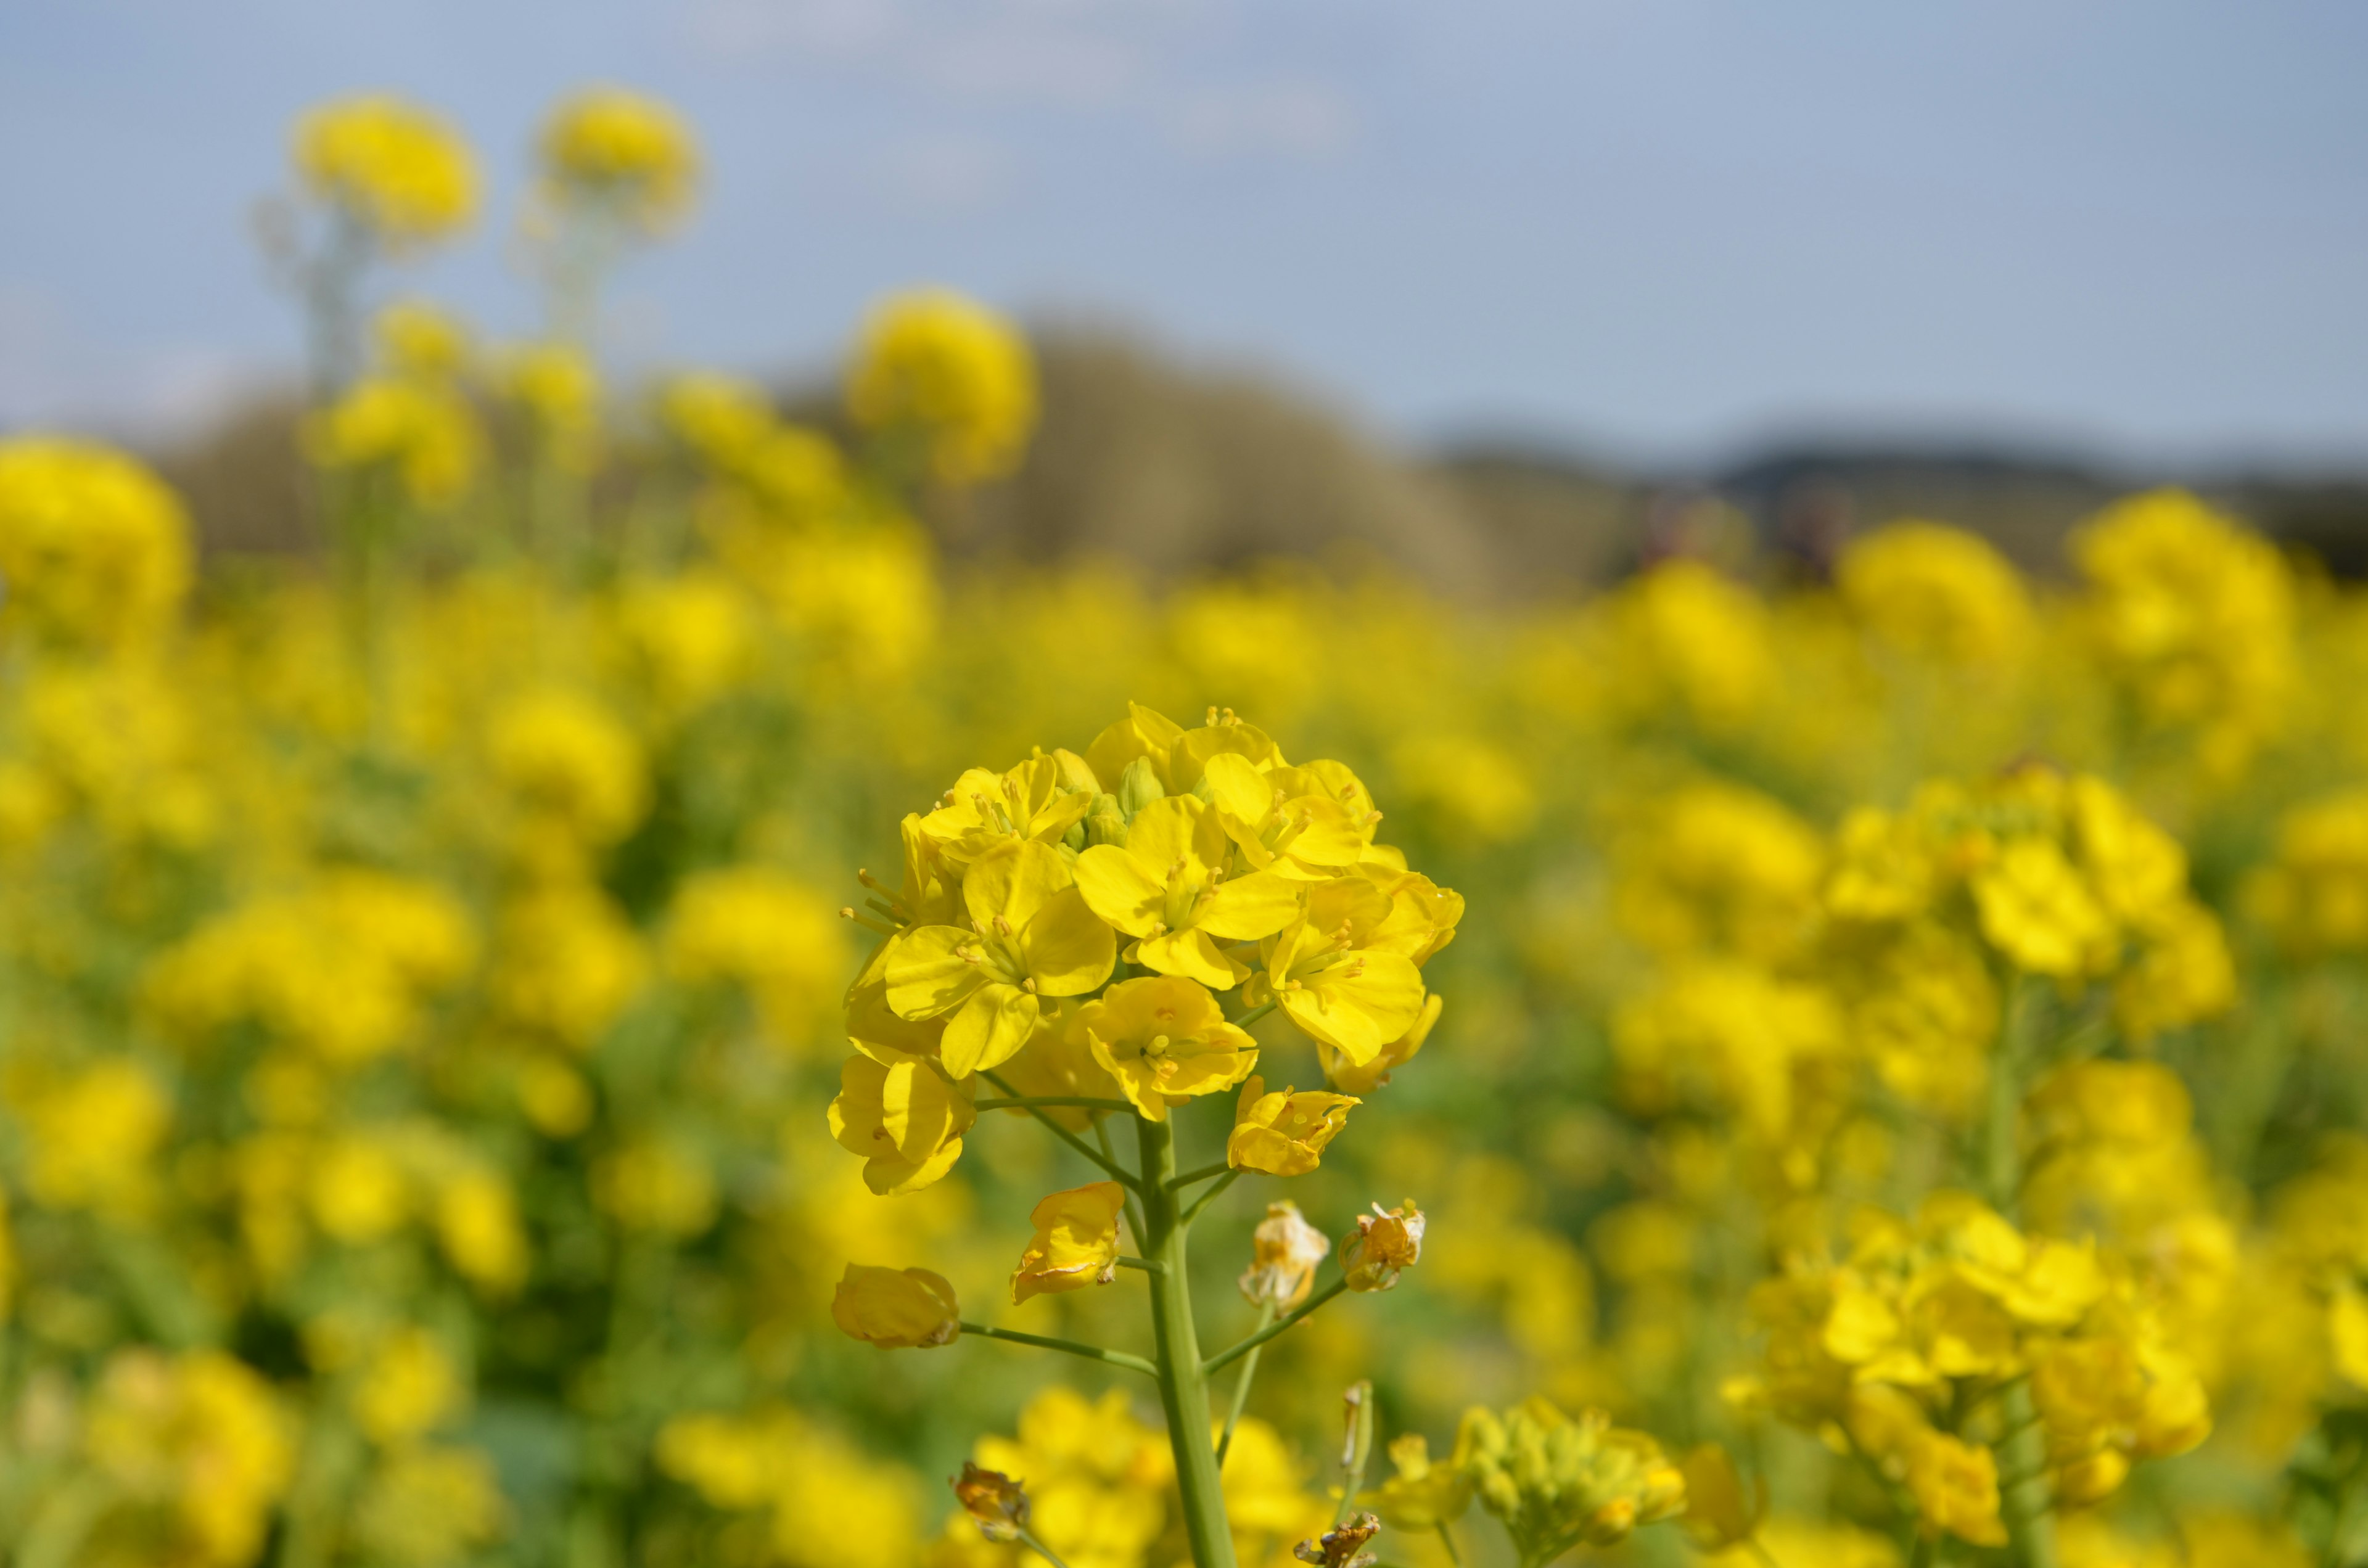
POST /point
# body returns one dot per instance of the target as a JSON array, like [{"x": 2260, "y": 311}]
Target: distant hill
[{"x": 1183, "y": 469}]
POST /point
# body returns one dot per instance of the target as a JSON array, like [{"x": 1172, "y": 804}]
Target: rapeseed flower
[
  {"x": 397, "y": 169},
  {"x": 1075, "y": 1242}
]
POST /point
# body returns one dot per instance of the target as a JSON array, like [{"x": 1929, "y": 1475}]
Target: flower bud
[
  {"x": 1385, "y": 1243},
  {"x": 1138, "y": 786},
  {"x": 1105, "y": 823},
  {"x": 1285, "y": 1250},
  {"x": 1342, "y": 1546},
  {"x": 998, "y": 1503},
  {"x": 895, "y": 1309}
]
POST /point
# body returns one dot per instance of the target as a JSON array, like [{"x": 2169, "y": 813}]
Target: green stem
[
  {"x": 1221, "y": 1168},
  {"x": 1044, "y": 1342},
  {"x": 1446, "y": 1540},
  {"x": 1117, "y": 1171},
  {"x": 1183, "y": 1381},
  {"x": 1149, "y": 1265},
  {"x": 1242, "y": 1387},
  {"x": 1202, "y": 1202},
  {"x": 1359, "y": 1449},
  {"x": 1028, "y": 1540},
  {"x": 1133, "y": 1199},
  {"x": 1244, "y": 1347},
  {"x": 2022, "y": 1453},
  {"x": 1255, "y": 1014},
  {"x": 1070, "y": 1102}
]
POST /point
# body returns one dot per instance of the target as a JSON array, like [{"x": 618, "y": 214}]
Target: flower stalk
[
  {"x": 2022, "y": 1449},
  {"x": 1183, "y": 1381}
]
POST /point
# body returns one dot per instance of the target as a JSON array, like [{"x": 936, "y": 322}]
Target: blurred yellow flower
[
  {"x": 399, "y": 170},
  {"x": 93, "y": 550},
  {"x": 624, "y": 151},
  {"x": 423, "y": 433},
  {"x": 949, "y": 374}
]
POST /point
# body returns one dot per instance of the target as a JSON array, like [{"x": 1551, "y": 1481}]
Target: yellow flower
[
  {"x": 399, "y": 170},
  {"x": 92, "y": 1134},
  {"x": 360, "y": 1192},
  {"x": 895, "y": 1309},
  {"x": 1350, "y": 1077},
  {"x": 93, "y": 549},
  {"x": 1075, "y": 1242},
  {"x": 1037, "y": 801},
  {"x": 720, "y": 418},
  {"x": 1955, "y": 1486},
  {"x": 559, "y": 388},
  {"x": 1030, "y": 936},
  {"x": 1938, "y": 593},
  {"x": 621, "y": 150},
  {"x": 1166, "y": 887},
  {"x": 430, "y": 1503},
  {"x": 569, "y": 765},
  {"x": 1334, "y": 975},
  {"x": 1385, "y": 1242},
  {"x": 950, "y": 373},
  {"x": 1165, "y": 1040},
  {"x": 903, "y": 1117},
  {"x": 1285, "y": 1251},
  {"x": 769, "y": 932},
  {"x": 199, "y": 1437},
  {"x": 408, "y": 1387},
  {"x": 2036, "y": 910},
  {"x": 1302, "y": 823},
  {"x": 477, "y": 1223},
  {"x": 1284, "y": 1134},
  {"x": 424, "y": 434},
  {"x": 1422, "y": 1494},
  {"x": 1719, "y": 1512},
  {"x": 2193, "y": 616},
  {"x": 421, "y": 341},
  {"x": 656, "y": 1185}
]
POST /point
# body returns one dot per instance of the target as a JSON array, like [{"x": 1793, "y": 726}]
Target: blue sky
[{"x": 1665, "y": 228}]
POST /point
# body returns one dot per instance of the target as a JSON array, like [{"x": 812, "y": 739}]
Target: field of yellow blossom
[{"x": 497, "y": 1015}]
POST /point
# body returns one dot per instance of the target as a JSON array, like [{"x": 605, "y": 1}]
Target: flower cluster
[{"x": 1905, "y": 1343}]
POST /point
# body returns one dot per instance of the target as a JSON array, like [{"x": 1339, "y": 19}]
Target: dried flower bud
[
  {"x": 998, "y": 1503},
  {"x": 1285, "y": 1250},
  {"x": 1384, "y": 1242},
  {"x": 1342, "y": 1546}
]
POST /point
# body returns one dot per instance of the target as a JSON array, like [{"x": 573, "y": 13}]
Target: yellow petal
[
  {"x": 989, "y": 1031},
  {"x": 925, "y": 978},
  {"x": 1191, "y": 954},
  {"x": 1360, "y": 1007},
  {"x": 1239, "y": 791},
  {"x": 1068, "y": 949},
  {"x": 1014, "y": 880},
  {"x": 1256, "y": 905},
  {"x": 1177, "y": 828},
  {"x": 1122, "y": 889}
]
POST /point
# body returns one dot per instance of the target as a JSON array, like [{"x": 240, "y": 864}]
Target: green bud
[
  {"x": 1106, "y": 824},
  {"x": 1138, "y": 786}
]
